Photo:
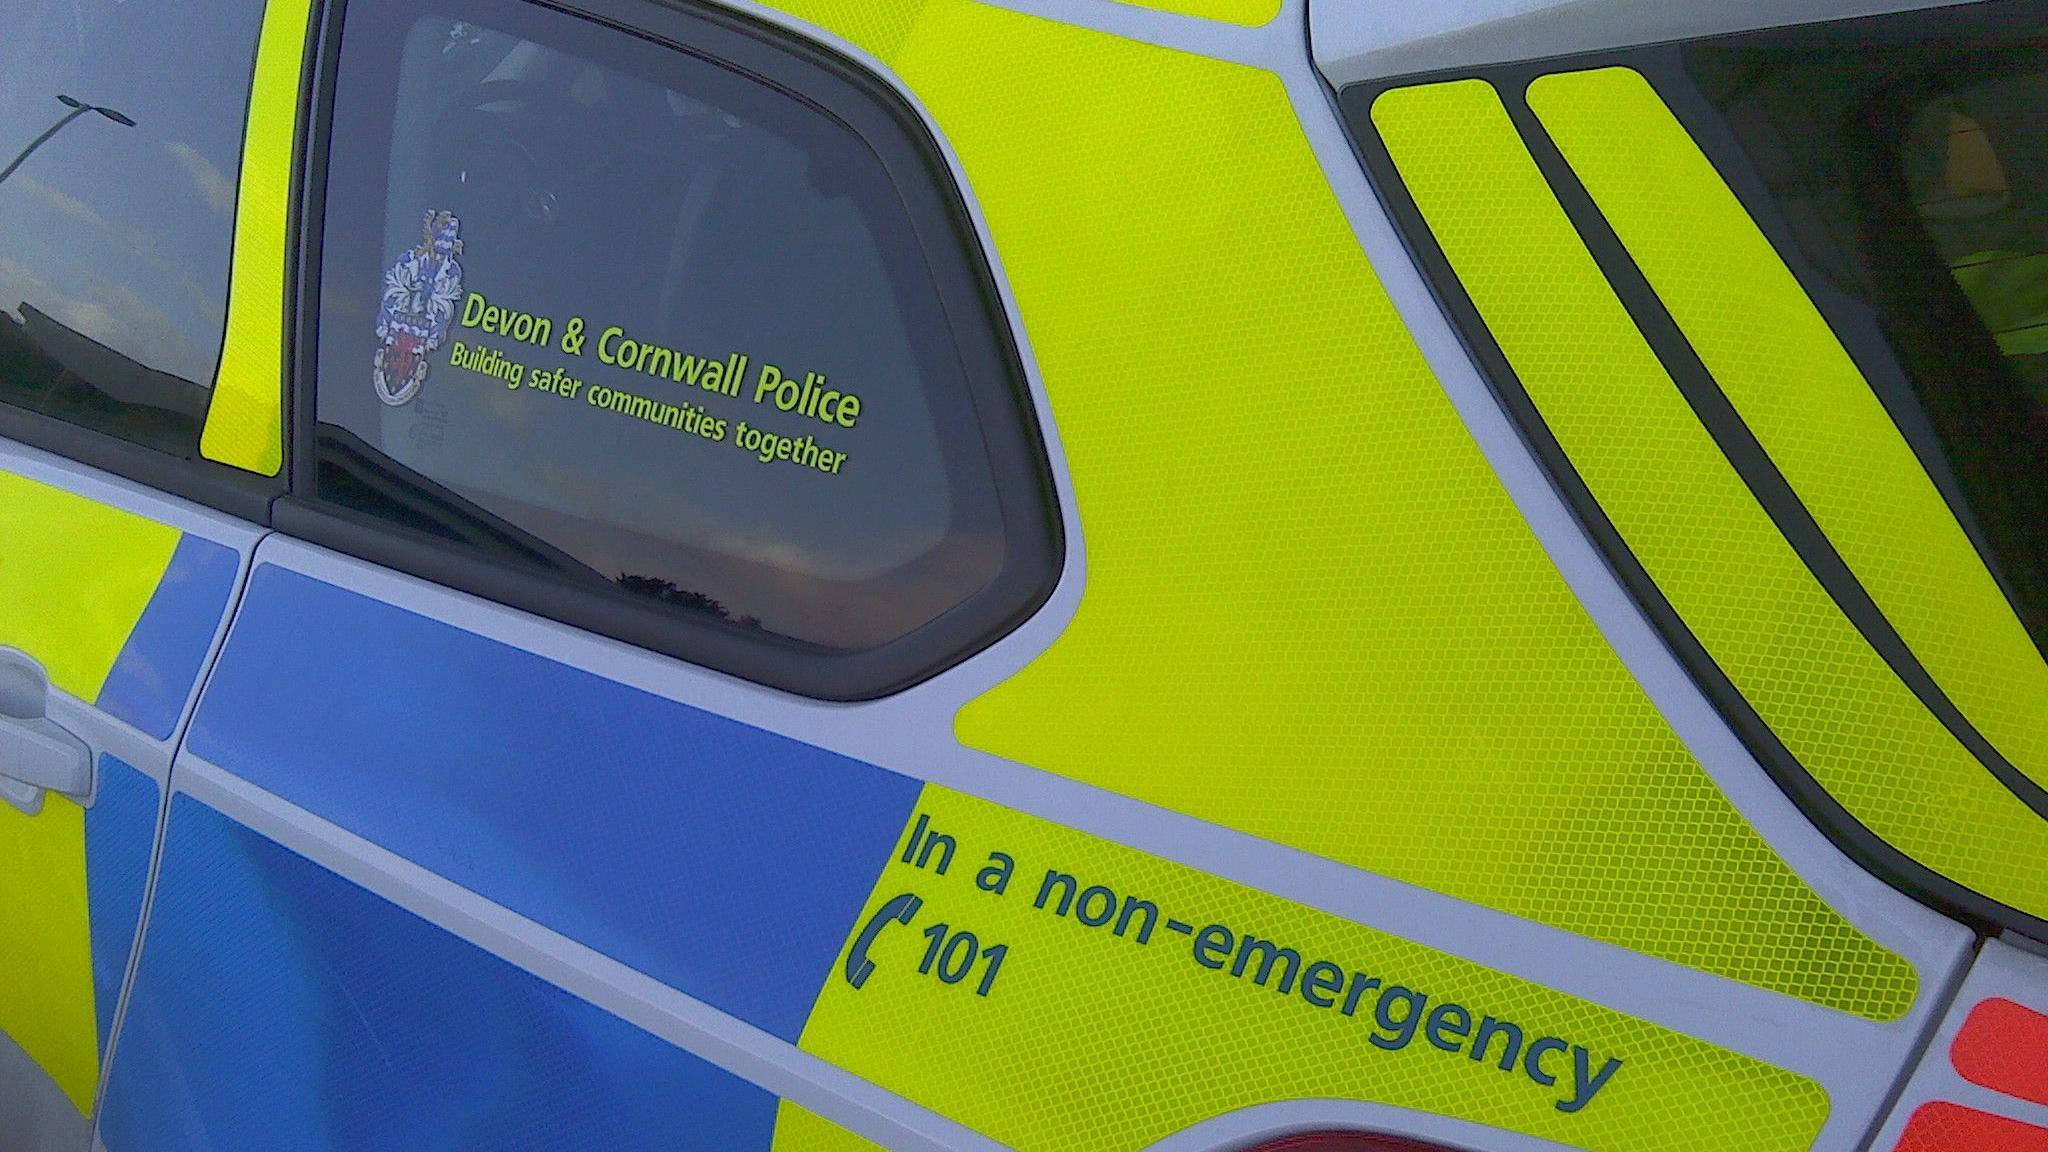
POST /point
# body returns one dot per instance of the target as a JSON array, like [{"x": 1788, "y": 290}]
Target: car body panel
[
  {"x": 437, "y": 871},
  {"x": 120, "y": 594}
]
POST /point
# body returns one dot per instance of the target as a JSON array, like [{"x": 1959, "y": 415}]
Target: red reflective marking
[
  {"x": 1954, "y": 1128},
  {"x": 2004, "y": 1047}
]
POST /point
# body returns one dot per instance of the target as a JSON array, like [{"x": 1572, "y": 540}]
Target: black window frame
[
  {"x": 223, "y": 487},
  {"x": 1670, "y": 70},
  {"x": 993, "y": 373}
]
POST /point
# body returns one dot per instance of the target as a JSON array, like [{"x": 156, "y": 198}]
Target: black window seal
[
  {"x": 243, "y": 495},
  {"x": 1660, "y": 64},
  {"x": 1011, "y": 441}
]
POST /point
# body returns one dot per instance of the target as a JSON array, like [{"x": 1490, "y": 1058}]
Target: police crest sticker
[{"x": 420, "y": 294}]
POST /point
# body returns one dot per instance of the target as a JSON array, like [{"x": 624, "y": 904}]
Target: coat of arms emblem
[{"x": 420, "y": 294}]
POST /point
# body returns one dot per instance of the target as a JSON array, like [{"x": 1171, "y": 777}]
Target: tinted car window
[
  {"x": 120, "y": 139},
  {"x": 599, "y": 307},
  {"x": 1976, "y": 160},
  {"x": 1913, "y": 172}
]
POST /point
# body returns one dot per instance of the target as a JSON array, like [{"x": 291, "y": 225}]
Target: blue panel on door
[
  {"x": 153, "y": 676},
  {"x": 120, "y": 829},
  {"x": 723, "y": 860},
  {"x": 279, "y": 1005}
]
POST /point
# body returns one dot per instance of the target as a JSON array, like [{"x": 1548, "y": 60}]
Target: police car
[{"x": 1063, "y": 575}]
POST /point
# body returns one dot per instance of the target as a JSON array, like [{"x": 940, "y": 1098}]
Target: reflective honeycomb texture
[
  {"x": 1772, "y": 353},
  {"x": 1941, "y": 1127},
  {"x": 1685, "y": 512},
  {"x": 1312, "y": 612}
]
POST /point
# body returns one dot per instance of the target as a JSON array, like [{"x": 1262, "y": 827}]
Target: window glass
[
  {"x": 598, "y": 306},
  {"x": 1963, "y": 153},
  {"x": 1911, "y": 162},
  {"x": 120, "y": 146}
]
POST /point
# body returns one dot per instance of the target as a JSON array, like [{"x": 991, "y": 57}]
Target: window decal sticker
[
  {"x": 422, "y": 324},
  {"x": 418, "y": 308}
]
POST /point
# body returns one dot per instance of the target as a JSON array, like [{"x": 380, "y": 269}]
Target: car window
[
  {"x": 1913, "y": 175},
  {"x": 120, "y": 147},
  {"x": 1977, "y": 162},
  {"x": 593, "y": 305}
]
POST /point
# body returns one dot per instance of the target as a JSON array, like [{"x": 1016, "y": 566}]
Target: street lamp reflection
[{"x": 77, "y": 108}]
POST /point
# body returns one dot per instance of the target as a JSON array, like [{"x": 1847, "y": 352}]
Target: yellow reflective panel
[
  {"x": 1780, "y": 364},
  {"x": 75, "y": 576},
  {"x": 1133, "y": 997},
  {"x": 1312, "y": 612},
  {"x": 245, "y": 420},
  {"x": 46, "y": 998},
  {"x": 1684, "y": 511},
  {"x": 800, "y": 1130}
]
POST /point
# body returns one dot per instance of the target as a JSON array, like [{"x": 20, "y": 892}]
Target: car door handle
[
  {"x": 41, "y": 755},
  {"x": 37, "y": 754}
]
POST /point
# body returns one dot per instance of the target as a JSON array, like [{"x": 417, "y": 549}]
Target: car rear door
[
  {"x": 114, "y": 597},
  {"x": 628, "y": 336},
  {"x": 123, "y": 540}
]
